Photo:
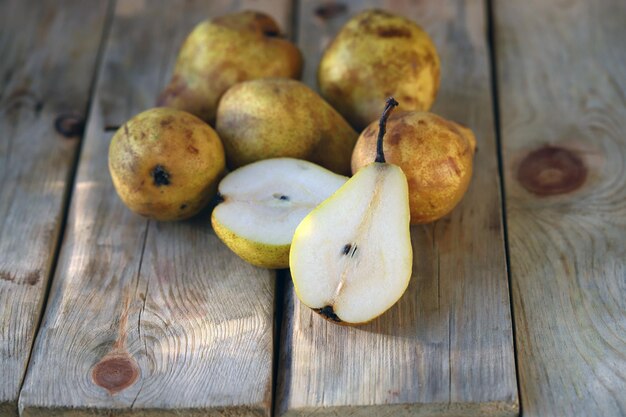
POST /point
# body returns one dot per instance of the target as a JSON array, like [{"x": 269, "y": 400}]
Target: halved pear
[
  {"x": 264, "y": 202},
  {"x": 351, "y": 258}
]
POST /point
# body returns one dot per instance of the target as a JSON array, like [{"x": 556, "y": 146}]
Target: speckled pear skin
[
  {"x": 260, "y": 254},
  {"x": 221, "y": 52},
  {"x": 435, "y": 154},
  {"x": 374, "y": 56},
  {"x": 277, "y": 117},
  {"x": 165, "y": 163}
]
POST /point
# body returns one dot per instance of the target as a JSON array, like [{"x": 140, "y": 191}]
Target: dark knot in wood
[
  {"x": 330, "y": 10},
  {"x": 69, "y": 125},
  {"x": 115, "y": 373},
  {"x": 551, "y": 170}
]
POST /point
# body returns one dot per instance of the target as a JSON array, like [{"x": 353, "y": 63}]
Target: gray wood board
[
  {"x": 562, "y": 83},
  {"x": 49, "y": 53},
  {"x": 447, "y": 347},
  {"x": 146, "y": 317}
]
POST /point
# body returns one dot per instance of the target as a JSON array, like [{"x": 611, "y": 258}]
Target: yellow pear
[
  {"x": 435, "y": 154},
  {"x": 351, "y": 257},
  {"x": 262, "y": 203},
  {"x": 165, "y": 163},
  {"x": 376, "y": 55},
  {"x": 278, "y": 117},
  {"x": 222, "y": 52}
]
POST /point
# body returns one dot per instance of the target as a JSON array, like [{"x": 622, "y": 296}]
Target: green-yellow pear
[
  {"x": 351, "y": 257},
  {"x": 435, "y": 154},
  {"x": 263, "y": 202},
  {"x": 278, "y": 117},
  {"x": 165, "y": 163},
  {"x": 221, "y": 52},
  {"x": 376, "y": 55}
]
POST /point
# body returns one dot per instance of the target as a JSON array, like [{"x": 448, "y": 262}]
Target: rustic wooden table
[{"x": 518, "y": 298}]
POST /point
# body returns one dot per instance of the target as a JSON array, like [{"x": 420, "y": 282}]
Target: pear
[
  {"x": 351, "y": 257},
  {"x": 376, "y": 55},
  {"x": 263, "y": 202},
  {"x": 166, "y": 163},
  {"x": 435, "y": 154},
  {"x": 222, "y": 52},
  {"x": 271, "y": 118}
]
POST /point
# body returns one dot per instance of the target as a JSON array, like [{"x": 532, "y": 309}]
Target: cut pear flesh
[
  {"x": 351, "y": 258},
  {"x": 264, "y": 202}
]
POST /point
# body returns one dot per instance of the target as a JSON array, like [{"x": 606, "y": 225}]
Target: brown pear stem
[{"x": 382, "y": 128}]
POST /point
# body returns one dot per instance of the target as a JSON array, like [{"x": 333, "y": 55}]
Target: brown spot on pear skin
[
  {"x": 192, "y": 149},
  {"x": 551, "y": 170},
  {"x": 115, "y": 373},
  {"x": 174, "y": 89},
  {"x": 393, "y": 32},
  {"x": 452, "y": 163},
  {"x": 166, "y": 122}
]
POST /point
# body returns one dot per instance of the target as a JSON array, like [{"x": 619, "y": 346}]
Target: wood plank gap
[
  {"x": 143, "y": 305},
  {"x": 493, "y": 74},
  {"x": 279, "y": 310}
]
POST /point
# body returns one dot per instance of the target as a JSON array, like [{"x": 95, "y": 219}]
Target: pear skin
[
  {"x": 278, "y": 117},
  {"x": 376, "y": 55},
  {"x": 435, "y": 154},
  {"x": 166, "y": 163},
  {"x": 221, "y": 52}
]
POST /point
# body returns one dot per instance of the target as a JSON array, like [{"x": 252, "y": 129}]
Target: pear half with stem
[
  {"x": 351, "y": 258},
  {"x": 263, "y": 202}
]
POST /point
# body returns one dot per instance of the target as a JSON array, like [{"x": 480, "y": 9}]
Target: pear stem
[{"x": 382, "y": 128}]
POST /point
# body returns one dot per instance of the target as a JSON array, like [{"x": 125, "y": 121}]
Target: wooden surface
[
  {"x": 446, "y": 348},
  {"x": 160, "y": 318},
  {"x": 147, "y": 317},
  {"x": 36, "y": 160},
  {"x": 562, "y": 85}
]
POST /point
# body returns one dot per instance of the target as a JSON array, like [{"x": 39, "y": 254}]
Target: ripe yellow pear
[
  {"x": 278, "y": 117},
  {"x": 435, "y": 154},
  {"x": 221, "y": 52},
  {"x": 165, "y": 163},
  {"x": 376, "y": 55},
  {"x": 351, "y": 257}
]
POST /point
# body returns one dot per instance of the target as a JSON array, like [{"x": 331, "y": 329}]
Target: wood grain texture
[
  {"x": 562, "y": 83},
  {"x": 148, "y": 318},
  {"x": 38, "y": 40},
  {"x": 446, "y": 348}
]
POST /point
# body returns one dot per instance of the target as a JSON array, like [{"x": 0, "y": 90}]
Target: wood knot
[
  {"x": 551, "y": 170},
  {"x": 330, "y": 10},
  {"x": 69, "y": 125},
  {"x": 115, "y": 373}
]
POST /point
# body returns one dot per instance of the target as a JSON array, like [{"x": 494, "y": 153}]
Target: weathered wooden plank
[
  {"x": 49, "y": 52},
  {"x": 145, "y": 317},
  {"x": 446, "y": 348},
  {"x": 562, "y": 82}
]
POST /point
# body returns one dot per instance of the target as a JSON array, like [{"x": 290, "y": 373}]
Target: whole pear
[
  {"x": 166, "y": 163},
  {"x": 222, "y": 52},
  {"x": 376, "y": 55},
  {"x": 278, "y": 117},
  {"x": 435, "y": 154}
]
